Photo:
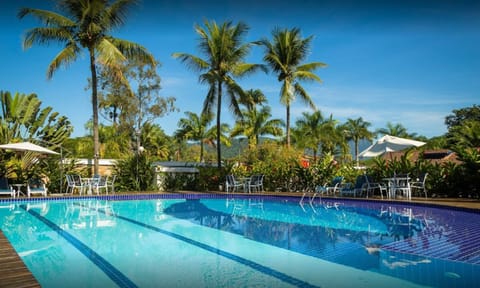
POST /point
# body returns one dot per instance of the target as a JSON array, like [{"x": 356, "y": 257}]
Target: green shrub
[
  {"x": 135, "y": 173},
  {"x": 210, "y": 178},
  {"x": 179, "y": 181}
]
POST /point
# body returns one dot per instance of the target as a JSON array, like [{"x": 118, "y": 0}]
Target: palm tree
[
  {"x": 256, "y": 123},
  {"x": 155, "y": 142},
  {"x": 356, "y": 130},
  {"x": 313, "y": 131},
  {"x": 224, "y": 51},
  {"x": 252, "y": 98},
  {"x": 284, "y": 55},
  {"x": 87, "y": 25},
  {"x": 397, "y": 130},
  {"x": 195, "y": 128}
]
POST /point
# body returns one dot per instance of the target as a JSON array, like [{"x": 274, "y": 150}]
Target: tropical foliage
[
  {"x": 397, "y": 130},
  {"x": 86, "y": 24},
  {"x": 135, "y": 173},
  {"x": 23, "y": 119},
  {"x": 255, "y": 122},
  {"x": 125, "y": 91},
  {"x": 284, "y": 54},
  {"x": 223, "y": 47},
  {"x": 196, "y": 128},
  {"x": 356, "y": 130}
]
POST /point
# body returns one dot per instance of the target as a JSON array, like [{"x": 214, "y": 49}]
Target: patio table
[
  {"x": 245, "y": 181},
  {"x": 17, "y": 187},
  {"x": 393, "y": 184}
]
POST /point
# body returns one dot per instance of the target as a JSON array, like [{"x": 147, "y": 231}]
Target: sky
[{"x": 407, "y": 62}]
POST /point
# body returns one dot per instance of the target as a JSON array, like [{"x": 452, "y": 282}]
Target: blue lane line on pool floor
[
  {"x": 113, "y": 273},
  {"x": 259, "y": 267}
]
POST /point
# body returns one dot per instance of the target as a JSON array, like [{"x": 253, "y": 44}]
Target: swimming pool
[{"x": 198, "y": 241}]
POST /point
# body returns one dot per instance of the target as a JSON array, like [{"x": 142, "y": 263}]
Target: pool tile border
[{"x": 114, "y": 197}]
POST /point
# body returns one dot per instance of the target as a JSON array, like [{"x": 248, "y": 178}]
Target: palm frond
[
  {"x": 48, "y": 18},
  {"x": 68, "y": 55},
  {"x": 310, "y": 67},
  {"x": 307, "y": 76},
  {"x": 108, "y": 54},
  {"x": 209, "y": 102},
  {"x": 193, "y": 62},
  {"x": 245, "y": 69},
  {"x": 45, "y": 36},
  {"x": 133, "y": 51},
  {"x": 235, "y": 91},
  {"x": 303, "y": 95},
  {"x": 117, "y": 11}
]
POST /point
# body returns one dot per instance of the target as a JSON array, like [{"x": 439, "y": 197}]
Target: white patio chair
[
  {"x": 371, "y": 186},
  {"x": 256, "y": 183},
  {"x": 99, "y": 182},
  {"x": 334, "y": 186},
  {"x": 36, "y": 186},
  {"x": 231, "y": 184},
  {"x": 111, "y": 183},
  {"x": 74, "y": 181},
  {"x": 419, "y": 184},
  {"x": 402, "y": 185}
]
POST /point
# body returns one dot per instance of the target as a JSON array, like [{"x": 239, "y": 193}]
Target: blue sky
[{"x": 408, "y": 62}]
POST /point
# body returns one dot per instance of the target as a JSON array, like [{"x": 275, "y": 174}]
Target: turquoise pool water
[{"x": 242, "y": 242}]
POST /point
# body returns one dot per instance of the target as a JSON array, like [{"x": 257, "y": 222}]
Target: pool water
[{"x": 243, "y": 242}]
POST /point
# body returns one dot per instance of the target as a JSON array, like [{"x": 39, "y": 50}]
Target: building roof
[{"x": 434, "y": 156}]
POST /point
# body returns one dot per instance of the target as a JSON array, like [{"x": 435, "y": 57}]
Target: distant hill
[
  {"x": 362, "y": 145},
  {"x": 240, "y": 144}
]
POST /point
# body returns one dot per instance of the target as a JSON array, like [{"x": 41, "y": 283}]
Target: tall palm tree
[
  {"x": 87, "y": 24},
  {"x": 285, "y": 55},
  {"x": 356, "y": 130},
  {"x": 223, "y": 47},
  {"x": 195, "y": 128}
]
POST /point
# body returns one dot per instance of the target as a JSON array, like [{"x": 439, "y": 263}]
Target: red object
[{"x": 305, "y": 163}]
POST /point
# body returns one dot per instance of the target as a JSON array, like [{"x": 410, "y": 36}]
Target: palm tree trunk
[
  {"x": 219, "y": 110},
  {"x": 96, "y": 141},
  {"x": 201, "y": 150},
  {"x": 356, "y": 151},
  {"x": 288, "y": 126}
]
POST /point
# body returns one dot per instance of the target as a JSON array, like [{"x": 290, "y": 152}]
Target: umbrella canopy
[
  {"x": 389, "y": 144},
  {"x": 27, "y": 146}
]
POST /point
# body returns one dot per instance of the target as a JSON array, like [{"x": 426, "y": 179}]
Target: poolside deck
[{"x": 13, "y": 272}]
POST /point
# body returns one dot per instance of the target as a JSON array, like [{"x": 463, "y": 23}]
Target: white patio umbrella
[
  {"x": 27, "y": 146},
  {"x": 389, "y": 144},
  {"x": 30, "y": 147}
]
